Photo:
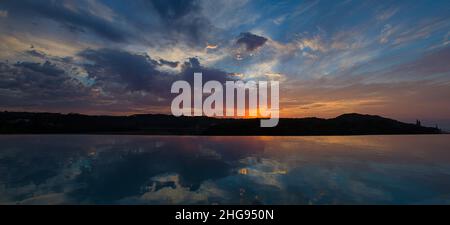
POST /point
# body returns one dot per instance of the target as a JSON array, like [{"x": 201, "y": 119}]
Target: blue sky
[{"x": 331, "y": 57}]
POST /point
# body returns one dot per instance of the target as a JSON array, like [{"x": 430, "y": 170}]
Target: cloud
[
  {"x": 97, "y": 80},
  {"x": 386, "y": 32},
  {"x": 168, "y": 63},
  {"x": 422, "y": 30},
  {"x": 111, "y": 67},
  {"x": 432, "y": 65},
  {"x": 155, "y": 24},
  {"x": 26, "y": 84},
  {"x": 44, "y": 56},
  {"x": 179, "y": 22},
  {"x": 118, "y": 57},
  {"x": 250, "y": 41},
  {"x": 386, "y": 14},
  {"x": 46, "y": 68},
  {"x": 36, "y": 53},
  {"x": 210, "y": 46},
  {"x": 193, "y": 65},
  {"x": 312, "y": 44},
  {"x": 74, "y": 20}
]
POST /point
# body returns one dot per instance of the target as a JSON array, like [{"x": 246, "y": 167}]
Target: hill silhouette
[{"x": 158, "y": 124}]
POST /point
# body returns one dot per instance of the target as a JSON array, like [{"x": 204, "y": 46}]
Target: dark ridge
[{"x": 159, "y": 124}]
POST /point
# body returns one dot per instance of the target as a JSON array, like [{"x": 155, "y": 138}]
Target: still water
[{"x": 91, "y": 169}]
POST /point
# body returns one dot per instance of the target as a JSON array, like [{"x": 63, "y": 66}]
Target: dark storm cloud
[
  {"x": 193, "y": 66},
  {"x": 168, "y": 63},
  {"x": 29, "y": 83},
  {"x": 46, "y": 68},
  {"x": 116, "y": 67},
  {"x": 251, "y": 41},
  {"x": 111, "y": 78},
  {"x": 44, "y": 56},
  {"x": 74, "y": 20},
  {"x": 95, "y": 79},
  {"x": 112, "y": 69}
]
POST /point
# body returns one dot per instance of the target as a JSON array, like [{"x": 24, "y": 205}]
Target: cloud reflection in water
[{"x": 90, "y": 169}]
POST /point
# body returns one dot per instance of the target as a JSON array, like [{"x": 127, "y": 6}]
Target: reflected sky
[{"x": 91, "y": 169}]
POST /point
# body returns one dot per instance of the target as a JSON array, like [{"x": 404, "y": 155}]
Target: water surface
[{"x": 96, "y": 169}]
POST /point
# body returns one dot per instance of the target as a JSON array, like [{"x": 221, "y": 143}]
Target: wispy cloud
[{"x": 344, "y": 56}]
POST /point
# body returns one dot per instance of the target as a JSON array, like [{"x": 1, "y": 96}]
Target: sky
[{"x": 389, "y": 58}]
